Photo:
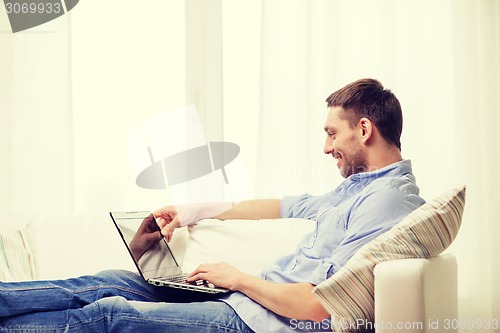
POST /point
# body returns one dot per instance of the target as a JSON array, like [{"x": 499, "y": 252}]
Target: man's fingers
[
  {"x": 165, "y": 212},
  {"x": 203, "y": 268},
  {"x": 161, "y": 222},
  {"x": 168, "y": 228},
  {"x": 195, "y": 275}
]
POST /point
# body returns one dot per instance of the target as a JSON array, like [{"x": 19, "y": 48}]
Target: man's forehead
[{"x": 333, "y": 119}]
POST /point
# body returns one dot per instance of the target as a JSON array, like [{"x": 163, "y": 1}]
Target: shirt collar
[{"x": 397, "y": 169}]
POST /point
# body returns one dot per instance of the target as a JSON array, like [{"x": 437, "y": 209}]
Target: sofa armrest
[{"x": 416, "y": 295}]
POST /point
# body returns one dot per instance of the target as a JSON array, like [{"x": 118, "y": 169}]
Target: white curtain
[
  {"x": 35, "y": 118},
  {"x": 441, "y": 58},
  {"x": 476, "y": 37},
  {"x": 71, "y": 92}
]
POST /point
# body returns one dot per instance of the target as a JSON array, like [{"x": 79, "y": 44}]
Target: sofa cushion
[
  {"x": 17, "y": 253},
  {"x": 349, "y": 294},
  {"x": 249, "y": 245}
]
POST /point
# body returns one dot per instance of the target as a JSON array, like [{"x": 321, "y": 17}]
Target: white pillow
[{"x": 249, "y": 245}]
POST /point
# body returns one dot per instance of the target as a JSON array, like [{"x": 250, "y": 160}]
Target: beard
[{"x": 353, "y": 163}]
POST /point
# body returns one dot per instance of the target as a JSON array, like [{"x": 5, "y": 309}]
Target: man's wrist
[
  {"x": 243, "y": 281},
  {"x": 191, "y": 213}
]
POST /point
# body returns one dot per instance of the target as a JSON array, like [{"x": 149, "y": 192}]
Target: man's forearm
[
  {"x": 171, "y": 217},
  {"x": 292, "y": 300},
  {"x": 252, "y": 210}
]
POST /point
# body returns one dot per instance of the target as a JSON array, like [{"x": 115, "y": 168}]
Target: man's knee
[
  {"x": 117, "y": 274},
  {"x": 103, "y": 315},
  {"x": 120, "y": 278}
]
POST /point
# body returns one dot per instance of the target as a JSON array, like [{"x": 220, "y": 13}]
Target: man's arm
[
  {"x": 171, "y": 217},
  {"x": 292, "y": 300},
  {"x": 252, "y": 210}
]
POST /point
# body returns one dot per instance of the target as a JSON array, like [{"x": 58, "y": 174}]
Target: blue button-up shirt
[{"x": 362, "y": 207}]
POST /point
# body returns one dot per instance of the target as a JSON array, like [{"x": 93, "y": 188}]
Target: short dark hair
[{"x": 368, "y": 98}]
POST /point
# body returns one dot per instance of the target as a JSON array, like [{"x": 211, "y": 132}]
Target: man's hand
[
  {"x": 220, "y": 274},
  {"x": 168, "y": 221},
  {"x": 146, "y": 237}
]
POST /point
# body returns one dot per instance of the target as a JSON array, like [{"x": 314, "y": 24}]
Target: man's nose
[{"x": 328, "y": 149}]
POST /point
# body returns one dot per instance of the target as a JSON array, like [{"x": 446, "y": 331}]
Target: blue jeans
[{"x": 111, "y": 301}]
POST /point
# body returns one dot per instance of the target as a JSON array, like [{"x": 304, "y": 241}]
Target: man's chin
[
  {"x": 348, "y": 170},
  {"x": 344, "y": 172}
]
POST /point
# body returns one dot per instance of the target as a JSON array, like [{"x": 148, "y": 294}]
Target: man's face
[{"x": 343, "y": 143}]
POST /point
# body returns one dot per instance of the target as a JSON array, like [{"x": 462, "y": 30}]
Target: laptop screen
[{"x": 154, "y": 261}]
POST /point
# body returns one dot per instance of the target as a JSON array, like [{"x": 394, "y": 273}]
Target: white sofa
[{"x": 411, "y": 295}]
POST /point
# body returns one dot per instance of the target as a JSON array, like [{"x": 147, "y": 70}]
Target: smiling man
[{"x": 363, "y": 129}]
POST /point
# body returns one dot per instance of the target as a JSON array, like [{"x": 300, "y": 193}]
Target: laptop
[{"x": 157, "y": 265}]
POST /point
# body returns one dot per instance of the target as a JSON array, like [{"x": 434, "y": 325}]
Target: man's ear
[{"x": 365, "y": 126}]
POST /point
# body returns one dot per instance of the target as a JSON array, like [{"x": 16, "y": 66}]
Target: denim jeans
[{"x": 111, "y": 301}]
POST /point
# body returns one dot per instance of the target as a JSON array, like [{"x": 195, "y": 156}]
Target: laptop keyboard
[
  {"x": 181, "y": 279},
  {"x": 176, "y": 279},
  {"x": 180, "y": 282}
]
